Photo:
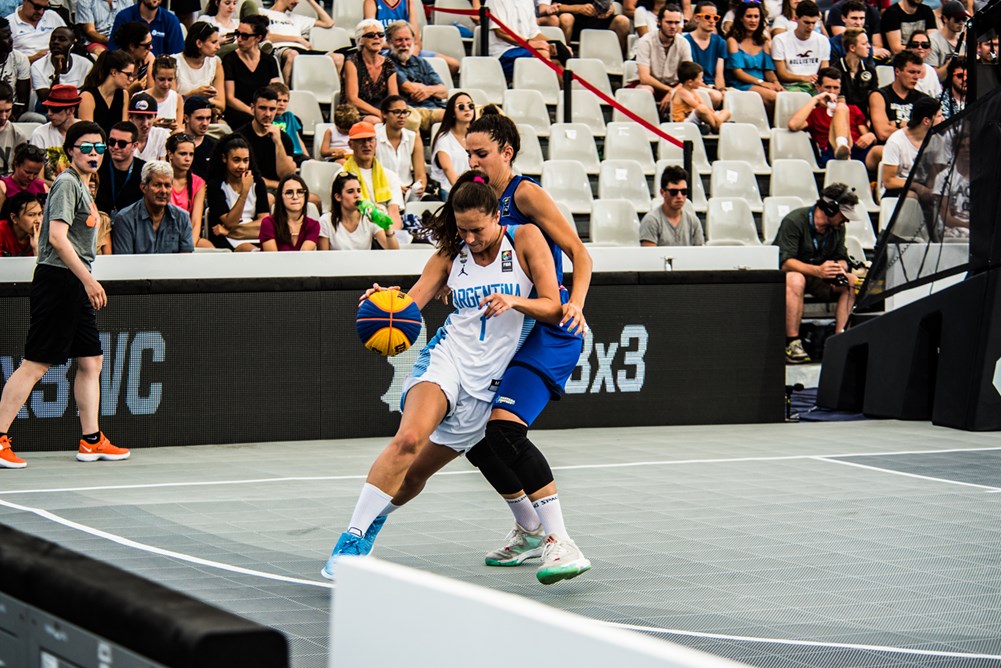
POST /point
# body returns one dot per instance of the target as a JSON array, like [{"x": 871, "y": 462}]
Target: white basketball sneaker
[
  {"x": 561, "y": 560},
  {"x": 521, "y": 544}
]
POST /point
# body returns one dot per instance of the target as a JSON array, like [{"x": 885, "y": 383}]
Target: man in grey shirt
[
  {"x": 671, "y": 224},
  {"x": 153, "y": 224}
]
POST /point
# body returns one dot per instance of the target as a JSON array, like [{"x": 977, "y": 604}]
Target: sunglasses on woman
[
  {"x": 464, "y": 107},
  {"x": 919, "y": 45},
  {"x": 88, "y": 146},
  {"x": 373, "y": 35}
]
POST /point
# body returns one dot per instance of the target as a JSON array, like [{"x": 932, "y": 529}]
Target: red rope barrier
[{"x": 558, "y": 69}]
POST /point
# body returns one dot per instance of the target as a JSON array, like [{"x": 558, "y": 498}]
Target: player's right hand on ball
[{"x": 375, "y": 288}]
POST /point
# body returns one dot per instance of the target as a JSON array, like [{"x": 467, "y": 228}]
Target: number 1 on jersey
[{"x": 483, "y": 327}]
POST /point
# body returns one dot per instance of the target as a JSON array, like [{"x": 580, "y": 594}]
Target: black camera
[{"x": 839, "y": 281}]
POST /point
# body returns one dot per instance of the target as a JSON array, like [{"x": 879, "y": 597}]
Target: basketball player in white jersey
[{"x": 448, "y": 396}]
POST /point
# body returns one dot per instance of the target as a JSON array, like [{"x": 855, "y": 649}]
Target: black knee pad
[
  {"x": 509, "y": 442},
  {"x": 498, "y": 474}
]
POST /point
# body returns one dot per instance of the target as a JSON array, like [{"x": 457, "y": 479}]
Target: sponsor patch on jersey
[
  {"x": 506, "y": 262},
  {"x": 505, "y": 400},
  {"x": 494, "y": 384},
  {"x": 507, "y": 266}
]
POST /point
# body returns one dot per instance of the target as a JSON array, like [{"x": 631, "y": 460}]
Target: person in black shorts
[{"x": 64, "y": 297}]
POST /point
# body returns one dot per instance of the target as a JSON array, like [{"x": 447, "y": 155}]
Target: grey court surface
[{"x": 853, "y": 544}]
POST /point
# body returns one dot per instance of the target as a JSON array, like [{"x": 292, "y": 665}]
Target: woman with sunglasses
[
  {"x": 64, "y": 297},
  {"x": 247, "y": 69},
  {"x": 749, "y": 64},
  {"x": 369, "y": 77},
  {"x": 136, "y": 40},
  {"x": 188, "y": 190},
  {"x": 289, "y": 228},
  {"x": 103, "y": 96},
  {"x": 510, "y": 462},
  {"x": 399, "y": 149},
  {"x": 199, "y": 69},
  {"x": 344, "y": 228},
  {"x": 449, "y": 159},
  {"x": 929, "y": 83}
]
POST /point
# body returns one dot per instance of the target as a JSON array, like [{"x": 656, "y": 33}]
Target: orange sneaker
[
  {"x": 103, "y": 449},
  {"x": 8, "y": 460}
]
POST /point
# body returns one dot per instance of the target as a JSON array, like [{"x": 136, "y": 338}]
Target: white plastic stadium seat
[
  {"x": 347, "y": 13},
  {"x": 441, "y": 18},
  {"x": 884, "y": 75},
  {"x": 486, "y": 74},
  {"x": 639, "y": 101},
  {"x": 853, "y": 174},
  {"x": 527, "y": 107},
  {"x": 886, "y": 207},
  {"x": 775, "y": 209},
  {"x": 787, "y": 103},
  {"x": 306, "y": 10},
  {"x": 586, "y": 109},
  {"x": 480, "y": 97},
  {"x": 567, "y": 182},
  {"x": 440, "y": 68},
  {"x": 329, "y": 39},
  {"x": 603, "y": 45},
  {"x": 741, "y": 141},
  {"x": 735, "y": 179},
  {"x": 529, "y": 160},
  {"x": 855, "y": 250},
  {"x": 574, "y": 141},
  {"x": 316, "y": 75},
  {"x": 319, "y": 129},
  {"x": 684, "y": 131},
  {"x": 614, "y": 223},
  {"x": 532, "y": 74},
  {"x": 624, "y": 179},
  {"x": 303, "y": 104},
  {"x": 591, "y": 70},
  {"x": 861, "y": 230},
  {"x": 788, "y": 144},
  {"x": 730, "y": 220},
  {"x": 747, "y": 107},
  {"x": 630, "y": 141},
  {"x": 444, "y": 39},
  {"x": 319, "y": 175},
  {"x": 793, "y": 177},
  {"x": 696, "y": 191},
  {"x": 630, "y": 72}
]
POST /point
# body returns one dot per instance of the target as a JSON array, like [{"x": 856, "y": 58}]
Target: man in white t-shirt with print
[
  {"x": 289, "y": 31},
  {"x": 800, "y": 53}
]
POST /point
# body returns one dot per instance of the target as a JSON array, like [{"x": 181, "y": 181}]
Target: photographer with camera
[{"x": 812, "y": 252}]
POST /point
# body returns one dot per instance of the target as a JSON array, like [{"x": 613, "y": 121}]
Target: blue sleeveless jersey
[
  {"x": 387, "y": 15},
  {"x": 550, "y": 350}
]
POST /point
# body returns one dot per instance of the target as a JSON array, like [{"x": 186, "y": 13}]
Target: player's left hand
[
  {"x": 573, "y": 319},
  {"x": 375, "y": 288},
  {"x": 496, "y": 304}
]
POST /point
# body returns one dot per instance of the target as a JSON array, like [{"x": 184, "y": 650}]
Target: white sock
[
  {"x": 551, "y": 516},
  {"x": 390, "y": 507},
  {"x": 524, "y": 513},
  {"x": 371, "y": 501},
  {"x": 841, "y": 141}
]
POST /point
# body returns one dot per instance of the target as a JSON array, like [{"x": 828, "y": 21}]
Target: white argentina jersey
[{"x": 482, "y": 347}]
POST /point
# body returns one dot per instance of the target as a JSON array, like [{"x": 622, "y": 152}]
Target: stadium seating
[
  {"x": 730, "y": 221},
  {"x": 485, "y": 73},
  {"x": 586, "y": 109},
  {"x": 532, "y": 74},
  {"x": 527, "y": 107},
  {"x": 313, "y": 74},
  {"x": 303, "y": 104},
  {"x": 441, "y": 18},
  {"x": 530, "y": 158},
  {"x": 640, "y": 102},
  {"x": 574, "y": 141},
  {"x": 591, "y": 70},
  {"x": 684, "y": 131},
  {"x": 788, "y": 103},
  {"x": 328, "y": 39},
  {"x": 787, "y": 144},
  {"x": 318, "y": 176},
  {"x": 444, "y": 39},
  {"x": 346, "y": 14},
  {"x": 793, "y": 177},
  {"x": 603, "y": 45},
  {"x": 775, "y": 209},
  {"x": 567, "y": 182},
  {"x": 319, "y": 129},
  {"x": 852, "y": 173},
  {"x": 747, "y": 107},
  {"x": 441, "y": 69},
  {"x": 741, "y": 141},
  {"x": 614, "y": 223},
  {"x": 735, "y": 179},
  {"x": 629, "y": 141},
  {"x": 624, "y": 179}
]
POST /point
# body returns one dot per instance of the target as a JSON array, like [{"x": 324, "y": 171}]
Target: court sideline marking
[{"x": 834, "y": 458}]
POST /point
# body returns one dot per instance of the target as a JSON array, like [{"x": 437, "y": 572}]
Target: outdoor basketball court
[{"x": 872, "y": 543}]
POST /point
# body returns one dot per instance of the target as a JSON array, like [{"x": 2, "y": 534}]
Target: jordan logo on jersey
[{"x": 462, "y": 263}]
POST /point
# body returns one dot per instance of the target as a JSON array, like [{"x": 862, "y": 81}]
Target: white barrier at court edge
[{"x": 389, "y": 615}]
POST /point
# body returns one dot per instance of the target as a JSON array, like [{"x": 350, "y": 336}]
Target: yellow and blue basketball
[{"x": 388, "y": 322}]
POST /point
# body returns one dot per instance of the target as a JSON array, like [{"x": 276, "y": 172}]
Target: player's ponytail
[{"x": 471, "y": 191}]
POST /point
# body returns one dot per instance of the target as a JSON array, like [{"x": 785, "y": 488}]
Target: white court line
[
  {"x": 805, "y": 643},
  {"x": 908, "y": 475},
  {"x": 45, "y": 514},
  {"x": 674, "y": 462}
]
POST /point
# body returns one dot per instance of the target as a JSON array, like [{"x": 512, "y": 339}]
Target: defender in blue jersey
[
  {"x": 537, "y": 374},
  {"x": 499, "y": 279}
]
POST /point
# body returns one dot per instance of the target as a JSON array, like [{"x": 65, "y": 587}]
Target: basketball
[{"x": 388, "y": 322}]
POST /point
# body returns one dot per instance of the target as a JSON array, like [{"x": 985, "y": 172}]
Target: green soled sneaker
[
  {"x": 561, "y": 560},
  {"x": 521, "y": 545}
]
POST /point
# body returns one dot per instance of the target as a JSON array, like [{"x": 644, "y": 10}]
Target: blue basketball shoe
[
  {"x": 349, "y": 544},
  {"x": 374, "y": 528}
]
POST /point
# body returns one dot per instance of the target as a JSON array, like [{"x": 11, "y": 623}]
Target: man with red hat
[
  {"x": 60, "y": 108},
  {"x": 152, "y": 141},
  {"x": 378, "y": 185}
]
